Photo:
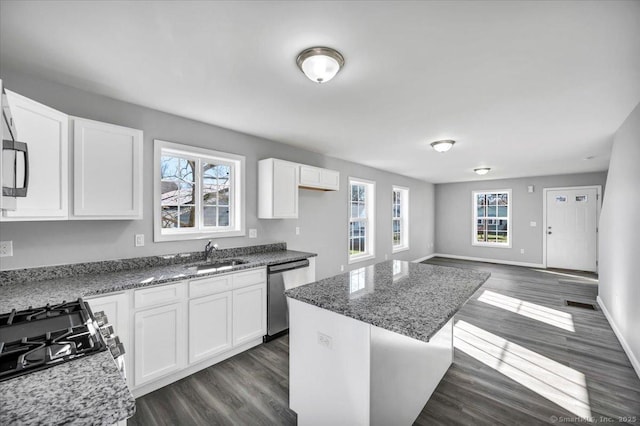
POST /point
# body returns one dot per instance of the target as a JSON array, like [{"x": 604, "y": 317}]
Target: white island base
[{"x": 347, "y": 372}]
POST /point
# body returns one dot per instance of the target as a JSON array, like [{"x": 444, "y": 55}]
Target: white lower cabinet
[
  {"x": 159, "y": 342},
  {"x": 249, "y": 313},
  {"x": 209, "y": 326},
  {"x": 182, "y": 327}
]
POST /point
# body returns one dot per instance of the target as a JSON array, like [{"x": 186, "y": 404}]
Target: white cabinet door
[
  {"x": 318, "y": 178},
  {"x": 46, "y": 132},
  {"x": 116, "y": 308},
  {"x": 249, "y": 313},
  {"x": 159, "y": 342},
  {"x": 330, "y": 179},
  {"x": 107, "y": 171},
  {"x": 277, "y": 189},
  {"x": 209, "y": 326}
]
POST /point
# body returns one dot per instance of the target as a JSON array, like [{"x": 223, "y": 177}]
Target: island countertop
[{"x": 411, "y": 299}]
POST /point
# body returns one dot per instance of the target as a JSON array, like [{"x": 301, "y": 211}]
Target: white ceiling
[{"x": 526, "y": 88}]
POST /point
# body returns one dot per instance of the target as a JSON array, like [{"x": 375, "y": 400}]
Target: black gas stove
[{"x": 34, "y": 339}]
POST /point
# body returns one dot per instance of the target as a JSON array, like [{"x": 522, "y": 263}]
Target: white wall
[
  {"x": 619, "y": 287},
  {"x": 454, "y": 215},
  {"x": 322, "y": 215}
]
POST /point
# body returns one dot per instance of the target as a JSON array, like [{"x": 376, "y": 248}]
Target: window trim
[
  {"x": 237, "y": 192},
  {"x": 405, "y": 201},
  {"x": 474, "y": 219},
  {"x": 370, "y": 205}
]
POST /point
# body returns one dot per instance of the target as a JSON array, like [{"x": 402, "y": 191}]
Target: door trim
[{"x": 598, "y": 189}]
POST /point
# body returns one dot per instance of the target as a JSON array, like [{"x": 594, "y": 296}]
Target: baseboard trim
[
  {"x": 632, "y": 357},
  {"x": 481, "y": 259},
  {"x": 422, "y": 259}
]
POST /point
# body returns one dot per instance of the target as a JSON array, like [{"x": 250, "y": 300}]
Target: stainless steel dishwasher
[{"x": 279, "y": 278}]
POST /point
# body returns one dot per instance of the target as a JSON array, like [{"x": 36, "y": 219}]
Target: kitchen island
[{"x": 370, "y": 346}]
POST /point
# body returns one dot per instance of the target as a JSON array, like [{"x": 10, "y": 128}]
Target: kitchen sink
[{"x": 216, "y": 265}]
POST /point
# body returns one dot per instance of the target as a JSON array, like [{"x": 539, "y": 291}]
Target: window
[
  {"x": 361, "y": 220},
  {"x": 400, "y": 219},
  {"x": 492, "y": 218},
  {"x": 198, "y": 193}
]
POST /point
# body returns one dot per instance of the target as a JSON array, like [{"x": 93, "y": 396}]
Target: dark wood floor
[{"x": 522, "y": 357}]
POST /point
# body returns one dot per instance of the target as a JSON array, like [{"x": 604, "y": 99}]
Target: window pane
[
  {"x": 502, "y": 211},
  {"x": 502, "y": 237},
  {"x": 169, "y": 217},
  {"x": 503, "y": 199},
  {"x": 481, "y": 211},
  {"x": 223, "y": 216},
  {"x": 362, "y": 211},
  {"x": 223, "y": 195},
  {"x": 492, "y": 199},
  {"x": 357, "y": 236},
  {"x": 187, "y": 216},
  {"x": 209, "y": 216},
  {"x": 209, "y": 195},
  {"x": 492, "y": 211},
  {"x": 480, "y": 199},
  {"x": 354, "y": 192}
]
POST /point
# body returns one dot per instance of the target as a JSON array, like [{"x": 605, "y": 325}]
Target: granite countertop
[
  {"x": 22, "y": 294},
  {"x": 412, "y": 299},
  {"x": 85, "y": 391},
  {"x": 90, "y": 390}
]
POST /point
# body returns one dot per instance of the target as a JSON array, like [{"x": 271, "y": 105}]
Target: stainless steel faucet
[{"x": 208, "y": 249}]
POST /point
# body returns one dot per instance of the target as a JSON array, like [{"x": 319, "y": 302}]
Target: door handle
[{"x": 549, "y": 232}]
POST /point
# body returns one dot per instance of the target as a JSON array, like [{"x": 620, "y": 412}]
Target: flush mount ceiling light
[
  {"x": 320, "y": 64},
  {"x": 442, "y": 146},
  {"x": 482, "y": 170}
]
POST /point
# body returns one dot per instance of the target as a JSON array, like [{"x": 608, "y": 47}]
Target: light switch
[
  {"x": 253, "y": 233},
  {"x": 533, "y": 224}
]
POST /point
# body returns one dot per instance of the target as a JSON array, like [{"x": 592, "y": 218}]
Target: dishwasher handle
[{"x": 281, "y": 267}]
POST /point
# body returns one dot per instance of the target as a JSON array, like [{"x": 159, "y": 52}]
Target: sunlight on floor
[
  {"x": 578, "y": 277},
  {"x": 534, "y": 311},
  {"x": 554, "y": 381}
]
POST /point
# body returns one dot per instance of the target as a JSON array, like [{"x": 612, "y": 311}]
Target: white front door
[{"x": 572, "y": 228}]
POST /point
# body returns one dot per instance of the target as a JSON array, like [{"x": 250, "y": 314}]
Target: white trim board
[
  {"x": 632, "y": 357},
  {"x": 422, "y": 259},
  {"x": 481, "y": 259}
]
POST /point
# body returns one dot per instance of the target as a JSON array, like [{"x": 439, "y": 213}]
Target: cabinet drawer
[
  {"x": 158, "y": 295},
  {"x": 215, "y": 284},
  {"x": 243, "y": 279}
]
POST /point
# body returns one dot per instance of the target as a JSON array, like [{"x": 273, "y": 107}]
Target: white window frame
[
  {"x": 403, "y": 219},
  {"x": 370, "y": 222},
  {"x": 236, "y": 197},
  {"x": 474, "y": 216}
]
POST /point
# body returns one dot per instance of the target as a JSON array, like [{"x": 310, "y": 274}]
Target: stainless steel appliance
[
  {"x": 37, "y": 338},
  {"x": 14, "y": 160},
  {"x": 277, "y": 309}
]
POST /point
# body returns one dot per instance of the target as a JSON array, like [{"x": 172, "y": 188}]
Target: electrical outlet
[
  {"x": 253, "y": 233},
  {"x": 341, "y": 268},
  {"x": 297, "y": 230},
  {"x": 324, "y": 340},
  {"x": 139, "y": 240},
  {"x": 521, "y": 251},
  {"x": 6, "y": 248},
  {"x": 386, "y": 256},
  {"x": 533, "y": 224}
]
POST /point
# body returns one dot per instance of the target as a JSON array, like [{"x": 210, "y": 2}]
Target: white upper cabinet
[
  {"x": 107, "y": 171},
  {"x": 277, "y": 189},
  {"x": 318, "y": 178},
  {"x": 46, "y": 132}
]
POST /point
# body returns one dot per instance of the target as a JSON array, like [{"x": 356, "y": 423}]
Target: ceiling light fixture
[
  {"x": 442, "y": 146},
  {"x": 320, "y": 64},
  {"x": 482, "y": 170}
]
